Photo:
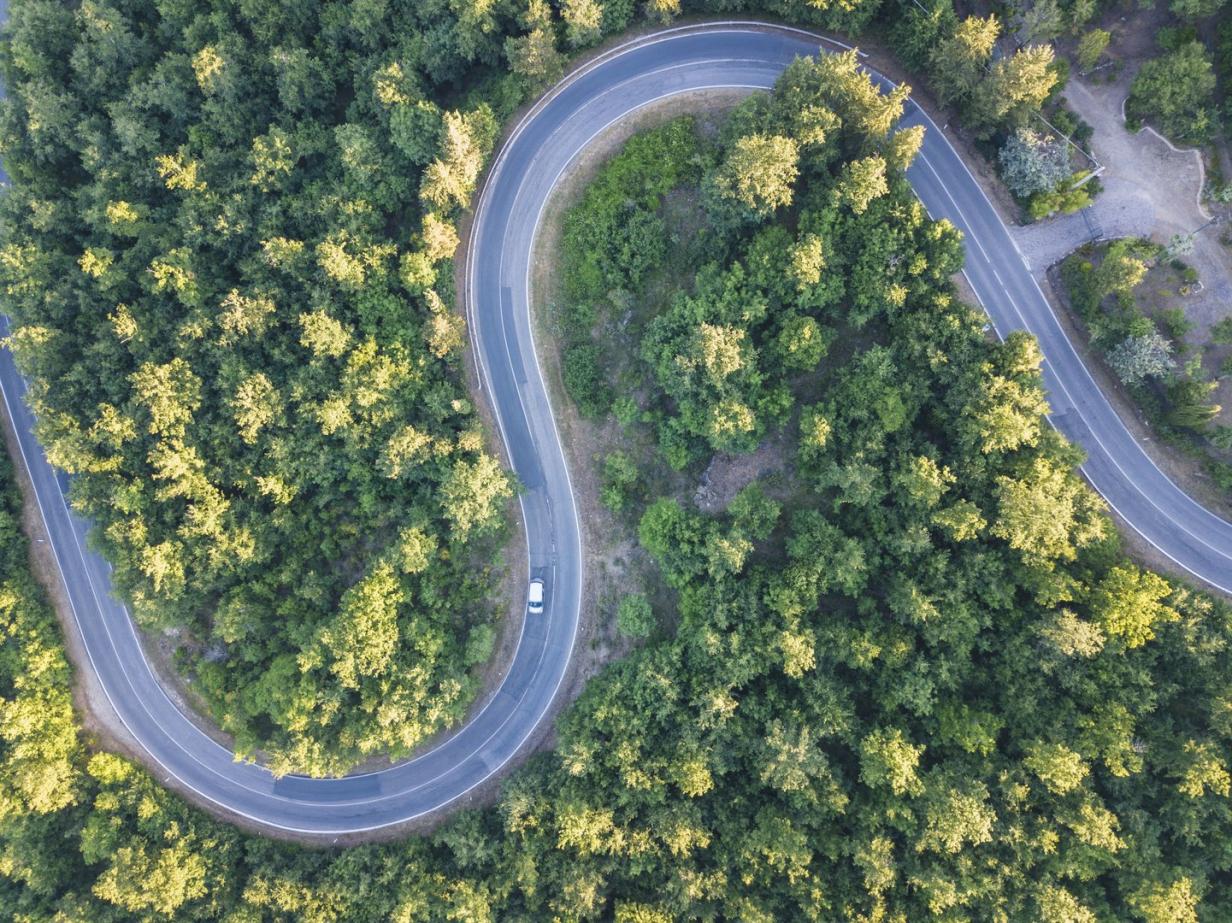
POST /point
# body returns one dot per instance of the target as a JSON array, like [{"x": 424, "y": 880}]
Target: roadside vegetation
[
  {"x": 227, "y": 255},
  {"x": 920, "y": 682},
  {"x": 1176, "y": 91},
  {"x": 1181, "y": 81},
  {"x": 1009, "y": 102},
  {"x": 1147, "y": 348},
  {"x": 1178, "y": 56}
]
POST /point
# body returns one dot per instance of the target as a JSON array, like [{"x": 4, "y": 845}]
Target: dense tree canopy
[
  {"x": 994, "y": 95},
  {"x": 234, "y": 307},
  {"x": 916, "y": 679},
  {"x": 1174, "y": 92}
]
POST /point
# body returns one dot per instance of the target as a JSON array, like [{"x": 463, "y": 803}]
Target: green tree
[
  {"x": 1091, "y": 48},
  {"x": 888, "y": 759},
  {"x": 959, "y": 61},
  {"x": 1137, "y": 358},
  {"x": 534, "y": 55},
  {"x": 1196, "y": 9},
  {"x": 1042, "y": 21},
  {"x": 161, "y": 883},
  {"x": 1060, "y": 769},
  {"x": 1189, "y": 398},
  {"x": 1016, "y": 86},
  {"x": 583, "y": 21},
  {"x": 1046, "y": 515},
  {"x": 472, "y": 493},
  {"x": 1031, "y": 164},
  {"x": 862, "y": 181},
  {"x": 1128, "y": 603},
  {"x": 1122, "y": 269},
  {"x": 1157, "y": 901},
  {"x": 1174, "y": 91},
  {"x": 758, "y": 173}
]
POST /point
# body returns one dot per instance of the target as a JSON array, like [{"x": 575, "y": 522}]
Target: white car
[{"x": 534, "y": 597}]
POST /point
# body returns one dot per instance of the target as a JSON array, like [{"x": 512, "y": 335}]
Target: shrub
[
  {"x": 1064, "y": 200},
  {"x": 619, "y": 480},
  {"x": 1221, "y": 333},
  {"x": 586, "y": 381},
  {"x": 1137, "y": 358},
  {"x": 1176, "y": 325},
  {"x": 634, "y": 617},
  {"x": 1079, "y": 277},
  {"x": 1175, "y": 91},
  {"x": 1033, "y": 164}
]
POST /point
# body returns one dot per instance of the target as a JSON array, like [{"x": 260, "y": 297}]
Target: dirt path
[{"x": 1153, "y": 189}]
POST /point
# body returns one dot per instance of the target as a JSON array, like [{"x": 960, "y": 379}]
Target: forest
[
  {"x": 919, "y": 681},
  {"x": 228, "y": 259},
  {"x": 227, "y": 255}
]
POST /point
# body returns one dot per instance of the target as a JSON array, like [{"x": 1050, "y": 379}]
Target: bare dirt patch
[{"x": 727, "y": 475}]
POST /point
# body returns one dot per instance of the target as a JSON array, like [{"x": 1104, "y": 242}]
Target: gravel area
[{"x": 1150, "y": 189}]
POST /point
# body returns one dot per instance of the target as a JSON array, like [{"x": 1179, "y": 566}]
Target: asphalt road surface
[{"x": 541, "y": 150}]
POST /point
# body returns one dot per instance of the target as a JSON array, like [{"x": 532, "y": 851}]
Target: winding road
[{"x": 539, "y": 152}]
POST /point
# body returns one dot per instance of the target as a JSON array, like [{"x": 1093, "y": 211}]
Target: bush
[
  {"x": 625, "y": 409},
  {"x": 586, "y": 381},
  {"x": 1221, "y": 333},
  {"x": 634, "y": 617},
  {"x": 1176, "y": 325},
  {"x": 614, "y": 236},
  {"x": 1221, "y": 437},
  {"x": 619, "y": 481},
  {"x": 1137, "y": 358},
  {"x": 1064, "y": 200},
  {"x": 1170, "y": 38},
  {"x": 1175, "y": 91},
  {"x": 1196, "y": 9},
  {"x": 1078, "y": 274}
]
